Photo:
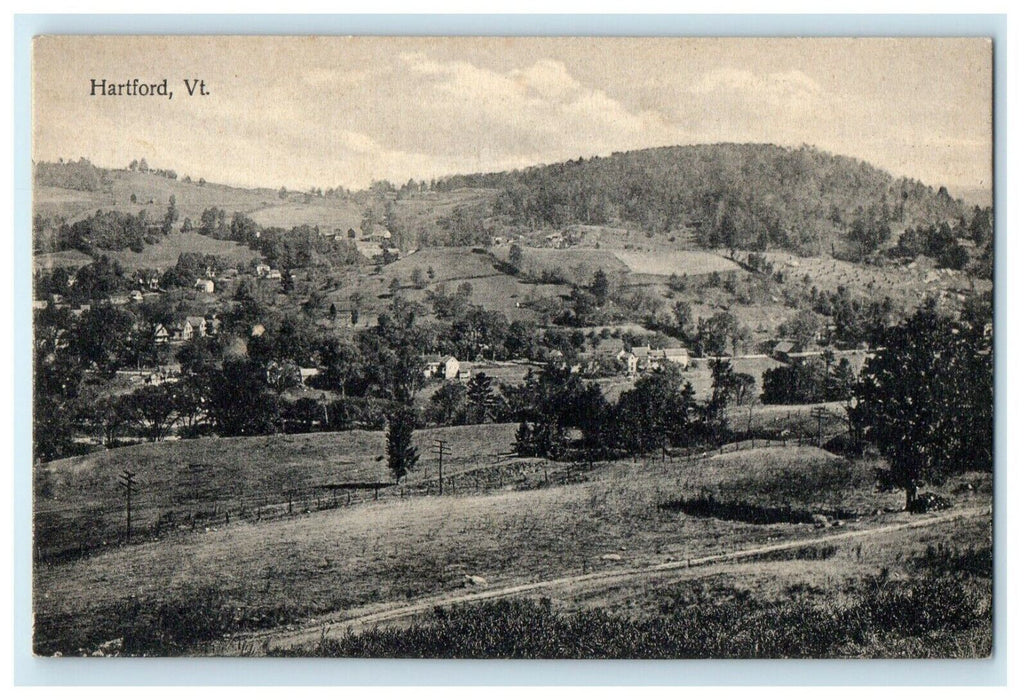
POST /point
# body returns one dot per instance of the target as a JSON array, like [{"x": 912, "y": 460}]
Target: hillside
[{"x": 732, "y": 195}]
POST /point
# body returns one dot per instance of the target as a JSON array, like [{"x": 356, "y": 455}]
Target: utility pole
[
  {"x": 441, "y": 448},
  {"x": 821, "y": 414},
  {"x": 127, "y": 481}
]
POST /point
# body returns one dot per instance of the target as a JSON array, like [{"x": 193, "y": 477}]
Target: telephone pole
[
  {"x": 441, "y": 448},
  {"x": 127, "y": 480},
  {"x": 821, "y": 414}
]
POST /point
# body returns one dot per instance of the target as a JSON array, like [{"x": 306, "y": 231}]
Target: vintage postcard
[{"x": 547, "y": 348}]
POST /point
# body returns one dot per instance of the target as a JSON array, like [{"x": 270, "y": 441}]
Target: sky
[{"x": 330, "y": 111}]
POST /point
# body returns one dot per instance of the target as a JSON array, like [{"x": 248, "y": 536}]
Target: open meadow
[{"x": 293, "y": 569}]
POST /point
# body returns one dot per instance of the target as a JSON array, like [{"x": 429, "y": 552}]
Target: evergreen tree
[{"x": 402, "y": 453}]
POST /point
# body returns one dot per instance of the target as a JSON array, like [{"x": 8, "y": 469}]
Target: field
[
  {"x": 328, "y": 215},
  {"x": 491, "y": 288},
  {"x": 907, "y": 286},
  {"x": 165, "y": 254},
  {"x": 65, "y": 258},
  {"x": 191, "y": 198},
  {"x": 677, "y": 262},
  {"x": 298, "y": 568},
  {"x": 79, "y": 503}
]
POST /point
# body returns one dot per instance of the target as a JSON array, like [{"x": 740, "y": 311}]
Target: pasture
[
  {"x": 271, "y": 573},
  {"x": 674, "y": 262},
  {"x": 164, "y": 254},
  {"x": 329, "y": 215}
]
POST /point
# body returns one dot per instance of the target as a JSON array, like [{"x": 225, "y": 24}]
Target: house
[
  {"x": 135, "y": 296},
  {"x": 205, "y": 286},
  {"x": 262, "y": 270},
  {"x": 274, "y": 274},
  {"x": 784, "y": 348},
  {"x": 161, "y": 335},
  {"x": 191, "y": 327},
  {"x": 308, "y": 373},
  {"x": 608, "y": 349},
  {"x": 642, "y": 357},
  {"x": 444, "y": 366},
  {"x": 464, "y": 375},
  {"x": 676, "y": 355}
]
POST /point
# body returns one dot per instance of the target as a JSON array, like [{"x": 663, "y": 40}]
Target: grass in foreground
[{"x": 943, "y": 609}]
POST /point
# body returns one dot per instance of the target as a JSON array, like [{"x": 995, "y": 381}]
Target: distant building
[
  {"x": 642, "y": 357},
  {"x": 274, "y": 274},
  {"x": 443, "y": 366},
  {"x": 205, "y": 286},
  {"x": 262, "y": 270},
  {"x": 161, "y": 335},
  {"x": 784, "y": 348},
  {"x": 678, "y": 356},
  {"x": 135, "y": 296},
  {"x": 191, "y": 327}
]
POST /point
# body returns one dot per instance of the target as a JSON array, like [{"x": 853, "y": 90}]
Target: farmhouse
[
  {"x": 192, "y": 326},
  {"x": 678, "y": 356},
  {"x": 161, "y": 335},
  {"x": 205, "y": 286},
  {"x": 609, "y": 350},
  {"x": 642, "y": 357},
  {"x": 443, "y": 366}
]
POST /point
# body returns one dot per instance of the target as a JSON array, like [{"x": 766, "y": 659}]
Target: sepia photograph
[{"x": 512, "y": 347}]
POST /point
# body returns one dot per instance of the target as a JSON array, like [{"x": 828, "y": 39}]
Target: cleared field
[
  {"x": 78, "y": 499},
  {"x": 165, "y": 254},
  {"x": 578, "y": 264},
  {"x": 907, "y": 286},
  {"x": 272, "y": 573},
  {"x": 674, "y": 262},
  {"x": 491, "y": 288},
  {"x": 65, "y": 258},
  {"x": 328, "y": 215}
]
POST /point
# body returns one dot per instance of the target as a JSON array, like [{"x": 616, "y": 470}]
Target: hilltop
[{"x": 731, "y": 195}]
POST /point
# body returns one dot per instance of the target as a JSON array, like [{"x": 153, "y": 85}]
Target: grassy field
[
  {"x": 328, "y": 215},
  {"x": 165, "y": 254},
  {"x": 914, "y": 594},
  {"x": 907, "y": 286},
  {"x": 491, "y": 288},
  {"x": 292, "y": 569},
  {"x": 65, "y": 258},
  {"x": 678, "y": 262},
  {"x": 79, "y": 503}
]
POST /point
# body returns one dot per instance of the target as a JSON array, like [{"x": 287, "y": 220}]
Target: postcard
[{"x": 519, "y": 348}]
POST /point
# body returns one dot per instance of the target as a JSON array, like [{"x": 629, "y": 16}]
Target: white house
[
  {"x": 205, "y": 286},
  {"x": 443, "y": 366},
  {"x": 677, "y": 355}
]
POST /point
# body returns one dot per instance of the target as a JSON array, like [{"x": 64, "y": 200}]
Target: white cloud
[{"x": 524, "y": 115}]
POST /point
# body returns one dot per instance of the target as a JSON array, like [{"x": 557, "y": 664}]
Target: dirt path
[{"x": 367, "y": 616}]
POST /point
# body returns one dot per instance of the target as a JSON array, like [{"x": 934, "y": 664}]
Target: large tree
[
  {"x": 926, "y": 400},
  {"x": 402, "y": 453},
  {"x": 153, "y": 409}
]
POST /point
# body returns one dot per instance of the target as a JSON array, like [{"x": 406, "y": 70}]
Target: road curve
[{"x": 370, "y": 615}]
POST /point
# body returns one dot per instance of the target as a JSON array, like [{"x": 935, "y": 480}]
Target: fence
[{"x": 68, "y": 533}]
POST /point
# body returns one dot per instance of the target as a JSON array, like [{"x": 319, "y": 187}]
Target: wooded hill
[{"x": 732, "y": 195}]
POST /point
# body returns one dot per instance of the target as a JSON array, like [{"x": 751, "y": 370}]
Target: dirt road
[{"x": 356, "y": 619}]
